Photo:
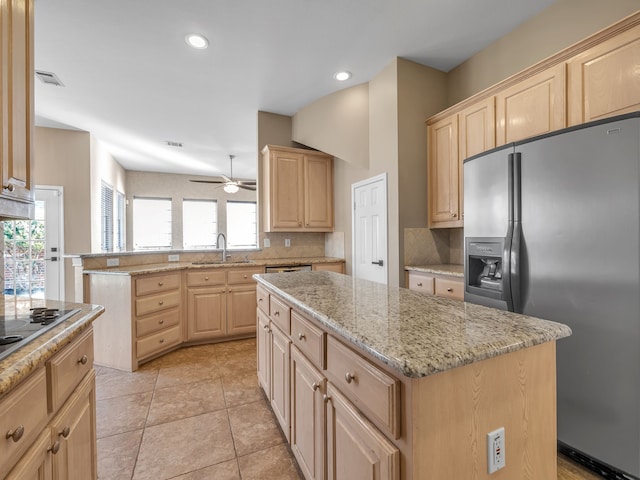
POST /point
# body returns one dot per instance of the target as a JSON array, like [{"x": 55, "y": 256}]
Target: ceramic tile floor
[{"x": 193, "y": 414}]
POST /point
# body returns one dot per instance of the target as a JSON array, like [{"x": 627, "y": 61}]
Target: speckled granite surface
[
  {"x": 18, "y": 365},
  {"x": 414, "y": 334},
  {"x": 171, "y": 266},
  {"x": 445, "y": 269}
]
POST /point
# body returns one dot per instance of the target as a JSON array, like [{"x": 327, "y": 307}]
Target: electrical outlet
[
  {"x": 267, "y": 243},
  {"x": 113, "y": 262},
  {"x": 174, "y": 257},
  {"x": 287, "y": 242},
  {"x": 495, "y": 450}
]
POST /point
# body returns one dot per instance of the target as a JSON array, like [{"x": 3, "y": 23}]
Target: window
[
  {"x": 151, "y": 223},
  {"x": 199, "y": 224},
  {"x": 119, "y": 222},
  {"x": 106, "y": 215},
  {"x": 242, "y": 224}
]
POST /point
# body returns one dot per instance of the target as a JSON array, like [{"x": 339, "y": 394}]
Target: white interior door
[
  {"x": 369, "y": 199},
  {"x": 50, "y": 200}
]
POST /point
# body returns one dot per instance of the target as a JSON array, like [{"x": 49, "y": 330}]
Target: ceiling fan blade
[
  {"x": 225, "y": 178},
  {"x": 247, "y": 187},
  {"x": 246, "y": 182},
  {"x": 207, "y": 181}
]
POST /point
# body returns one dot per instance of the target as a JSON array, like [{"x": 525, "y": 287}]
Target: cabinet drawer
[
  {"x": 421, "y": 283},
  {"x": 156, "y": 303},
  {"x": 308, "y": 338},
  {"x": 157, "y": 322},
  {"x": 369, "y": 388},
  {"x": 450, "y": 288},
  {"x": 22, "y": 410},
  {"x": 158, "y": 342},
  {"x": 263, "y": 299},
  {"x": 206, "y": 278},
  {"x": 280, "y": 314},
  {"x": 157, "y": 284},
  {"x": 68, "y": 368},
  {"x": 243, "y": 276}
]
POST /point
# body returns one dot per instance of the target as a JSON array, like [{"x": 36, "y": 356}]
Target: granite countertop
[
  {"x": 19, "y": 364},
  {"x": 171, "y": 266},
  {"x": 452, "y": 269},
  {"x": 416, "y": 335}
]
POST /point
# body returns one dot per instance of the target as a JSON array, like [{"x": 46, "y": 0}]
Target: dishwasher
[{"x": 288, "y": 269}]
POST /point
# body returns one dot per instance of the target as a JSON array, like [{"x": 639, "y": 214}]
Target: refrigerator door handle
[{"x": 516, "y": 235}]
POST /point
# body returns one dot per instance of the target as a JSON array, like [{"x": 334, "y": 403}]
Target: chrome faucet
[{"x": 224, "y": 248}]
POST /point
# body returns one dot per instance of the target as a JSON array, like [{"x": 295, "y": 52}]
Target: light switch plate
[
  {"x": 267, "y": 243},
  {"x": 287, "y": 242},
  {"x": 113, "y": 262},
  {"x": 174, "y": 257}
]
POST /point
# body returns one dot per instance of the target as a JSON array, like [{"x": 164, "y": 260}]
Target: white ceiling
[{"x": 131, "y": 80}]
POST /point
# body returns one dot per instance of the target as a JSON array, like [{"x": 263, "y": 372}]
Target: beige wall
[
  {"x": 562, "y": 24},
  {"x": 62, "y": 159},
  {"x": 347, "y": 111},
  {"x": 104, "y": 168}
]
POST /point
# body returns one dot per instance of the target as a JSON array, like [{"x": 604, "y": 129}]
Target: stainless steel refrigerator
[{"x": 552, "y": 230}]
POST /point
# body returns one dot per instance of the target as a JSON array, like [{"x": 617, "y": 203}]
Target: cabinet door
[
  {"x": 355, "y": 448},
  {"x": 605, "y": 80},
  {"x": 532, "y": 107},
  {"x": 477, "y": 135},
  {"x": 280, "y": 346},
  {"x": 241, "y": 309},
  {"x": 16, "y": 94},
  {"x": 318, "y": 193},
  {"x": 206, "y": 313},
  {"x": 443, "y": 171},
  {"x": 36, "y": 463},
  {"x": 75, "y": 429},
  {"x": 287, "y": 191},
  {"x": 263, "y": 344},
  {"x": 307, "y": 416}
]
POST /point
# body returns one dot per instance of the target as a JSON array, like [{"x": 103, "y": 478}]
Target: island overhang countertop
[{"x": 414, "y": 334}]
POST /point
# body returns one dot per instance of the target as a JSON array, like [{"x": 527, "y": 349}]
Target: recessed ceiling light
[
  {"x": 196, "y": 40},
  {"x": 342, "y": 76}
]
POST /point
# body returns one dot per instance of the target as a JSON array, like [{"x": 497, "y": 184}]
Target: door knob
[{"x": 379, "y": 262}]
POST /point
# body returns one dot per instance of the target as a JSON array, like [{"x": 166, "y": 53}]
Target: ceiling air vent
[
  {"x": 49, "y": 78},
  {"x": 174, "y": 144}
]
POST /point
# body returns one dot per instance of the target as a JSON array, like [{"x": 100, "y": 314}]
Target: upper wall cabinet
[
  {"x": 16, "y": 108},
  {"x": 605, "y": 80},
  {"x": 297, "y": 191},
  {"x": 450, "y": 141},
  {"x": 532, "y": 107}
]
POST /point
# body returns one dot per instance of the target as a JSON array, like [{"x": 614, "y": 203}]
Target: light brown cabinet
[
  {"x": 532, "y": 106},
  {"x": 16, "y": 108},
  {"x": 206, "y": 312},
  {"x": 298, "y": 190},
  {"x": 355, "y": 448},
  {"x": 279, "y": 367},
  {"x": 337, "y": 267},
  {"x": 448, "y": 286},
  {"x": 450, "y": 141},
  {"x": 604, "y": 80},
  {"x": 52, "y": 418},
  {"x": 263, "y": 346}
]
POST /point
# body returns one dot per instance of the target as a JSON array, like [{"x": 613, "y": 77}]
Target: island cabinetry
[
  {"x": 263, "y": 346},
  {"x": 51, "y": 418},
  {"x": 448, "y": 286},
  {"x": 355, "y": 448},
  {"x": 604, "y": 80},
  {"x": 16, "y": 107},
  {"x": 298, "y": 190},
  {"x": 337, "y": 267}
]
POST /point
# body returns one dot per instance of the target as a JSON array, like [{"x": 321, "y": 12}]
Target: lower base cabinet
[
  {"x": 36, "y": 463},
  {"x": 355, "y": 448},
  {"x": 279, "y": 395}
]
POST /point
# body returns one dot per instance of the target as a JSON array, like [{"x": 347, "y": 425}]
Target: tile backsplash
[{"x": 424, "y": 246}]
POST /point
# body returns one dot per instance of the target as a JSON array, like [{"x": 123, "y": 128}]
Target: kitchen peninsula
[{"x": 385, "y": 379}]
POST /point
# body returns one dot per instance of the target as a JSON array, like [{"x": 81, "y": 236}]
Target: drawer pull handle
[
  {"x": 315, "y": 386},
  {"x": 349, "y": 377},
  {"x": 65, "y": 432},
  {"x": 206, "y": 279},
  {"x": 161, "y": 302},
  {"x": 259, "y": 300},
  {"x": 245, "y": 276},
  {"x": 11, "y": 187},
  {"x": 162, "y": 340},
  {"x": 83, "y": 359},
  {"x": 160, "y": 284},
  {"x": 420, "y": 284},
  {"x": 277, "y": 313},
  {"x": 326, "y": 398},
  {"x": 301, "y": 336},
  {"x": 55, "y": 447},
  {"x": 16, "y": 434},
  {"x": 161, "y": 321},
  {"x": 449, "y": 289}
]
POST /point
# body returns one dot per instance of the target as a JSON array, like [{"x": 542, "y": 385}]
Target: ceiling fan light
[
  {"x": 196, "y": 40},
  {"x": 231, "y": 188}
]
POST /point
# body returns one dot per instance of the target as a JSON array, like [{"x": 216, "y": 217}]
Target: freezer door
[{"x": 580, "y": 266}]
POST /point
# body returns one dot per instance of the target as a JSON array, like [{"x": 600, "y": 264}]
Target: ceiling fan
[{"x": 230, "y": 184}]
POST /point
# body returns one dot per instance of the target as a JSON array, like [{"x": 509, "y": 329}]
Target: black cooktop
[{"x": 18, "y": 330}]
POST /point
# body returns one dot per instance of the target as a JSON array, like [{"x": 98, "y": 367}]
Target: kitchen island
[{"x": 387, "y": 380}]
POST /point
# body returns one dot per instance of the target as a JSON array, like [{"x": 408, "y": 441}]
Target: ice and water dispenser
[{"x": 486, "y": 272}]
